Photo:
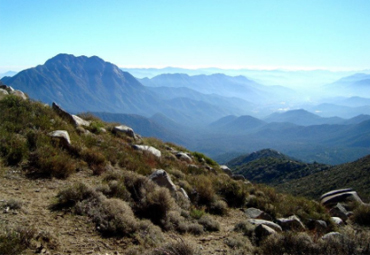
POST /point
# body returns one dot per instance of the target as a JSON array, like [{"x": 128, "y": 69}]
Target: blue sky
[{"x": 297, "y": 34}]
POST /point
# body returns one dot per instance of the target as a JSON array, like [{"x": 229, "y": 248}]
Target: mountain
[
  {"x": 234, "y": 124},
  {"x": 7, "y": 74},
  {"x": 301, "y": 117},
  {"x": 271, "y": 167},
  {"x": 354, "y": 85},
  {"x": 354, "y": 175},
  {"x": 85, "y": 84},
  {"x": 221, "y": 84}
]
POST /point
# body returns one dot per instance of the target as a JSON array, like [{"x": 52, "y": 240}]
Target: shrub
[
  {"x": 148, "y": 235},
  {"x": 218, "y": 207},
  {"x": 113, "y": 217},
  {"x": 201, "y": 157},
  {"x": 209, "y": 224},
  {"x": 70, "y": 196},
  {"x": 204, "y": 188},
  {"x": 15, "y": 240},
  {"x": 115, "y": 189},
  {"x": 95, "y": 160},
  {"x": 234, "y": 192},
  {"x": 179, "y": 247},
  {"x": 195, "y": 229},
  {"x": 288, "y": 243},
  {"x": 240, "y": 245},
  {"x": 13, "y": 204},
  {"x": 50, "y": 162},
  {"x": 361, "y": 215},
  {"x": 197, "y": 213},
  {"x": 149, "y": 200}
]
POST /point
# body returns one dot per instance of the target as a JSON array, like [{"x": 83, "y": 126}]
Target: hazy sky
[{"x": 201, "y": 33}]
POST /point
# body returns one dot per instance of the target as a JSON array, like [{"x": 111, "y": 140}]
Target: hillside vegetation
[
  {"x": 352, "y": 175},
  {"x": 273, "y": 168},
  {"x": 97, "y": 195}
]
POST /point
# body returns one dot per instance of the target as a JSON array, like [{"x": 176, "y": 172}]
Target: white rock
[
  {"x": 61, "y": 134},
  {"x": 149, "y": 149}
]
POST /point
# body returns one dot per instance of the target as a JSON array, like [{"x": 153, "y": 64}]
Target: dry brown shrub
[{"x": 209, "y": 224}]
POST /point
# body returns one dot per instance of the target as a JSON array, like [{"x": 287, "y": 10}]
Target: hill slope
[
  {"x": 272, "y": 167},
  {"x": 354, "y": 175}
]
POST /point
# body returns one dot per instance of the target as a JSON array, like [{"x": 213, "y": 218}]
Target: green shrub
[
  {"x": 205, "y": 191},
  {"x": 13, "y": 147},
  {"x": 95, "y": 160},
  {"x": 233, "y": 192},
  {"x": 148, "y": 235},
  {"x": 201, "y": 157},
  {"x": 197, "y": 213},
  {"x": 50, "y": 162}
]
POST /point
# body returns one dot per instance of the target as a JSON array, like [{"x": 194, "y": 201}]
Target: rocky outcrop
[
  {"x": 255, "y": 213},
  {"x": 262, "y": 231},
  {"x": 7, "y": 90},
  {"x": 184, "y": 157},
  {"x": 73, "y": 119},
  {"x": 148, "y": 149},
  {"x": 340, "y": 211},
  {"x": 62, "y": 135},
  {"x": 270, "y": 224},
  {"x": 3, "y": 93},
  {"x": 337, "y": 221},
  {"x": 125, "y": 130},
  {"x": 161, "y": 178},
  {"x": 226, "y": 170},
  {"x": 292, "y": 223},
  {"x": 339, "y": 196}
]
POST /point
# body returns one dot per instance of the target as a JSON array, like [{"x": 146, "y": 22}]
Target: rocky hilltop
[{"x": 77, "y": 185}]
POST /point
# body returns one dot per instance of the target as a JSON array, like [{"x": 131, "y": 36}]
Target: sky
[{"x": 262, "y": 34}]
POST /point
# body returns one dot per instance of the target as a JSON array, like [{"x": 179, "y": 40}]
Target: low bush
[
  {"x": 13, "y": 204},
  {"x": 70, "y": 196},
  {"x": 113, "y": 217},
  {"x": 218, "y": 207},
  {"x": 47, "y": 162},
  {"x": 195, "y": 229},
  {"x": 240, "y": 245},
  {"x": 15, "y": 240},
  {"x": 233, "y": 192},
  {"x": 209, "y": 224},
  {"x": 205, "y": 191},
  {"x": 361, "y": 215},
  {"x": 179, "y": 247}
]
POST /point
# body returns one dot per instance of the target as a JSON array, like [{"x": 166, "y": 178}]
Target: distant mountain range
[
  {"x": 8, "y": 73},
  {"x": 216, "y": 114}
]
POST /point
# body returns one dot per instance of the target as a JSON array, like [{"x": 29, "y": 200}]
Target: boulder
[
  {"x": 149, "y": 149},
  {"x": 262, "y": 231},
  {"x": 78, "y": 121},
  {"x": 124, "y": 129},
  {"x": 270, "y": 224},
  {"x": 9, "y": 89},
  {"x": 3, "y": 93},
  {"x": 19, "y": 93},
  {"x": 183, "y": 192},
  {"x": 337, "y": 221},
  {"x": 331, "y": 235},
  {"x": 61, "y": 135},
  {"x": 292, "y": 223},
  {"x": 73, "y": 119},
  {"x": 339, "y": 196},
  {"x": 238, "y": 177},
  {"x": 226, "y": 170},
  {"x": 161, "y": 178},
  {"x": 339, "y": 211},
  {"x": 184, "y": 157},
  {"x": 255, "y": 213}
]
